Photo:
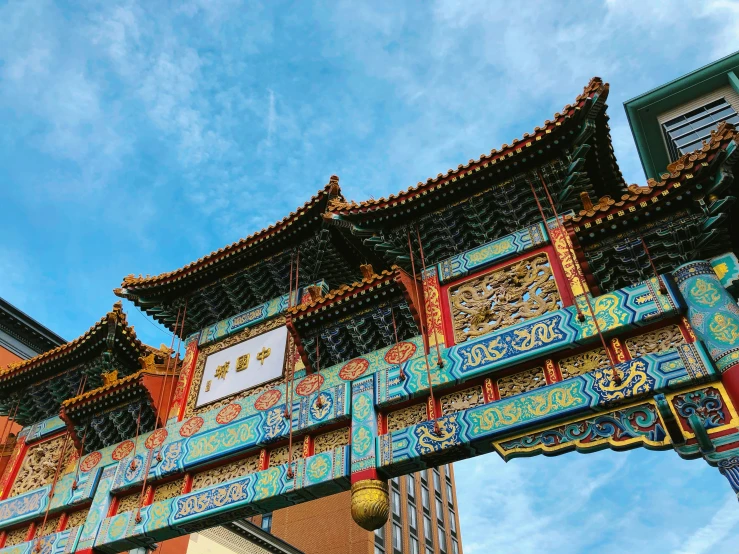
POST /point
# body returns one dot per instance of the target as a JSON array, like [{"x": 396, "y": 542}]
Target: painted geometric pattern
[
  {"x": 639, "y": 425},
  {"x": 473, "y": 429},
  {"x": 42, "y": 429},
  {"x": 467, "y": 431},
  {"x": 492, "y": 252},
  {"x": 251, "y": 317},
  {"x": 726, "y": 267}
]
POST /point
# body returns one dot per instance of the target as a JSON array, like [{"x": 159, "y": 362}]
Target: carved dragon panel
[
  {"x": 40, "y": 464},
  {"x": 523, "y": 381},
  {"x": 503, "y": 297},
  {"x": 332, "y": 439},
  {"x": 169, "y": 490},
  {"x": 279, "y": 456},
  {"x": 225, "y": 472},
  {"x": 584, "y": 362},
  {"x": 655, "y": 341},
  {"x": 462, "y": 400},
  {"x": 405, "y": 417}
]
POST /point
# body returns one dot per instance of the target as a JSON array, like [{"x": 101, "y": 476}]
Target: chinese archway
[{"x": 527, "y": 302}]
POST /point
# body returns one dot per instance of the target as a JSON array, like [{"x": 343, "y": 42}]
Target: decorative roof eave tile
[
  {"x": 346, "y": 293},
  {"x": 687, "y": 169},
  {"x": 595, "y": 89},
  {"x": 135, "y": 380},
  {"x": 303, "y": 314},
  {"x": 131, "y": 284},
  {"x": 95, "y": 335}
]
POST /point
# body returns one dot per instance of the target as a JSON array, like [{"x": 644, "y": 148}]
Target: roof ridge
[{"x": 331, "y": 189}]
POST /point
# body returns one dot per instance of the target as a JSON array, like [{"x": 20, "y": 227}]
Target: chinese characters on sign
[{"x": 243, "y": 366}]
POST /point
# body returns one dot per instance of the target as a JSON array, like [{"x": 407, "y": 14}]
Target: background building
[
  {"x": 21, "y": 336},
  {"x": 675, "y": 118},
  {"x": 423, "y": 520}
]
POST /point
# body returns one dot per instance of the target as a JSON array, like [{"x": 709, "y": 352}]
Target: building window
[
  {"x": 447, "y": 472},
  {"x": 687, "y": 132},
  {"x": 414, "y": 545},
  {"x": 396, "y": 482},
  {"x": 424, "y": 479},
  {"x": 429, "y": 550},
  {"x": 412, "y": 521},
  {"x": 396, "y": 504},
  {"x": 267, "y": 522},
  {"x": 442, "y": 540},
  {"x": 397, "y": 538},
  {"x": 439, "y": 510},
  {"x": 425, "y": 498},
  {"x": 380, "y": 540},
  {"x": 455, "y": 546},
  {"x": 452, "y": 522},
  {"x": 449, "y": 495},
  {"x": 428, "y": 532},
  {"x": 437, "y": 480},
  {"x": 411, "y": 486}
]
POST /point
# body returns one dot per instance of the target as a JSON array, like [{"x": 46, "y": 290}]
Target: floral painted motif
[
  {"x": 228, "y": 413},
  {"x": 156, "y": 439},
  {"x": 90, "y": 461},
  {"x": 309, "y": 385},
  {"x": 400, "y": 353},
  {"x": 191, "y": 426},
  {"x": 267, "y": 400},
  {"x": 353, "y": 369}
]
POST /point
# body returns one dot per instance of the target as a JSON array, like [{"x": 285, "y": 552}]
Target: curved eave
[
  {"x": 196, "y": 274},
  {"x": 70, "y": 354},
  {"x": 699, "y": 166},
  {"x": 588, "y": 104}
]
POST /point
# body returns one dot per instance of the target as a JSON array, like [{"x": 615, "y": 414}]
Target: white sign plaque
[{"x": 243, "y": 366}]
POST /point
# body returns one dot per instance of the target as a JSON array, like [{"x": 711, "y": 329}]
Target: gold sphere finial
[{"x": 370, "y": 503}]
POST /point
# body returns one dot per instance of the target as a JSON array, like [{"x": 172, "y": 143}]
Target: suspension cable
[
  {"x": 437, "y": 430},
  {"x": 157, "y": 413},
  {"x": 79, "y": 460},
  {"x": 136, "y": 438},
  {"x": 580, "y": 315},
  {"x": 439, "y": 360},
  {"x": 169, "y": 397},
  {"x": 401, "y": 372},
  {"x": 614, "y": 373},
  {"x": 290, "y": 473},
  {"x": 662, "y": 288}
]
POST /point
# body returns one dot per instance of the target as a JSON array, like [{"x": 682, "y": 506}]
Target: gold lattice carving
[
  {"x": 332, "y": 439},
  {"x": 523, "y": 381},
  {"x": 222, "y": 345},
  {"x": 77, "y": 519},
  {"x": 129, "y": 502},
  {"x": 52, "y": 524},
  {"x": 225, "y": 472},
  {"x": 40, "y": 464},
  {"x": 462, "y": 400},
  {"x": 584, "y": 362},
  {"x": 661, "y": 339},
  {"x": 503, "y": 297},
  {"x": 169, "y": 490},
  {"x": 278, "y": 456},
  {"x": 405, "y": 417},
  {"x": 17, "y": 536}
]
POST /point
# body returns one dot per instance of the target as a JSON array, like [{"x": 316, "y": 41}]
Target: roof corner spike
[
  {"x": 367, "y": 271},
  {"x": 333, "y": 186},
  {"x": 587, "y": 203}
]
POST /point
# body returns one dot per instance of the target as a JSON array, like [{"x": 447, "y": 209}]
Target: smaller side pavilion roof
[
  {"x": 111, "y": 332},
  {"x": 593, "y": 98}
]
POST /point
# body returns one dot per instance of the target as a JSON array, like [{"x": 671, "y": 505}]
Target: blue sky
[{"x": 136, "y": 137}]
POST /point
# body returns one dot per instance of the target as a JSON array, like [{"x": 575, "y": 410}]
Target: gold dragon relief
[
  {"x": 526, "y": 407},
  {"x": 633, "y": 381},
  {"x": 430, "y": 441}
]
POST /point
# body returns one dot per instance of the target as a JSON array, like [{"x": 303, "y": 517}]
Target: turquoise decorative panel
[
  {"x": 42, "y": 429},
  {"x": 364, "y": 424},
  {"x": 493, "y": 252},
  {"x": 713, "y": 313},
  {"x": 471, "y": 431},
  {"x": 63, "y": 542},
  {"x": 24, "y": 507},
  {"x": 98, "y": 509},
  {"x": 252, "y": 316},
  {"x": 556, "y": 331}
]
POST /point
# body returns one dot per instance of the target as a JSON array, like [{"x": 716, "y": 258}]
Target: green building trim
[{"x": 642, "y": 111}]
